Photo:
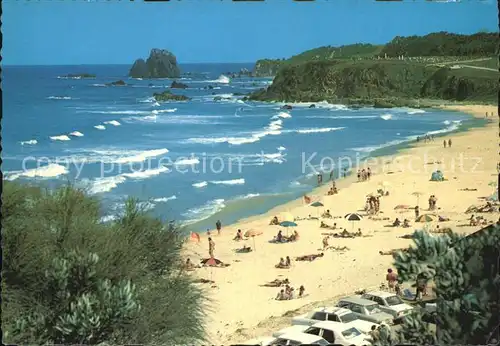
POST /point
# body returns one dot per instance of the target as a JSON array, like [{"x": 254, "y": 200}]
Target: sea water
[{"x": 213, "y": 157}]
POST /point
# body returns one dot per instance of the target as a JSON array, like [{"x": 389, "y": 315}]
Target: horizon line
[{"x": 121, "y": 64}]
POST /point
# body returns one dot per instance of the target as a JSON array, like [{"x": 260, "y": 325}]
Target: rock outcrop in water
[
  {"x": 168, "y": 96},
  {"x": 117, "y": 83},
  {"x": 160, "y": 64},
  {"x": 178, "y": 85},
  {"x": 80, "y": 75}
]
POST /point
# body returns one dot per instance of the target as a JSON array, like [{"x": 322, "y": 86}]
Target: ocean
[{"x": 213, "y": 157}]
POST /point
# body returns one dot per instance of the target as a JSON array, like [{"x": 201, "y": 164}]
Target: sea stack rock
[{"x": 160, "y": 64}]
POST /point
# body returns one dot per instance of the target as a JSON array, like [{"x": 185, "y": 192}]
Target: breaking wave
[
  {"x": 112, "y": 122},
  {"x": 229, "y": 182},
  {"x": 50, "y": 171},
  {"x": 30, "y": 142},
  {"x": 319, "y": 130},
  {"x": 200, "y": 184},
  {"x": 60, "y": 138},
  {"x": 76, "y": 134},
  {"x": 100, "y": 127}
]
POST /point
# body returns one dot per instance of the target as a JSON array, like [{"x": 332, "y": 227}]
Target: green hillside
[{"x": 364, "y": 74}]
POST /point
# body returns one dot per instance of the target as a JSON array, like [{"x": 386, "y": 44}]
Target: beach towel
[{"x": 407, "y": 294}]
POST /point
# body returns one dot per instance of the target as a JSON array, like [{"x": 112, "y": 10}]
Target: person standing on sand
[
  {"x": 331, "y": 175},
  {"x": 211, "y": 247},
  {"x": 417, "y": 212},
  {"x": 444, "y": 143},
  {"x": 449, "y": 143},
  {"x": 392, "y": 279},
  {"x": 218, "y": 225}
]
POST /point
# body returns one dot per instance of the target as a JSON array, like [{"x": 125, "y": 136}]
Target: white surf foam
[
  {"x": 50, "y": 171},
  {"x": 146, "y": 173},
  {"x": 229, "y": 182},
  {"x": 281, "y": 148},
  {"x": 148, "y": 100},
  {"x": 100, "y": 127},
  {"x": 341, "y": 116},
  {"x": 386, "y": 116},
  {"x": 59, "y": 98},
  {"x": 142, "y": 156},
  {"x": 99, "y": 85},
  {"x": 284, "y": 115},
  {"x": 156, "y": 104},
  {"x": 187, "y": 162},
  {"x": 251, "y": 195},
  {"x": 200, "y": 184},
  {"x": 60, "y": 138},
  {"x": 320, "y": 130},
  {"x": 120, "y": 112},
  {"x": 222, "y": 80},
  {"x": 321, "y": 104},
  {"x": 112, "y": 122},
  {"x": 101, "y": 185},
  {"x": 447, "y": 122},
  {"x": 205, "y": 211},
  {"x": 76, "y": 134},
  {"x": 164, "y": 199},
  {"x": 415, "y": 111},
  {"x": 30, "y": 142}
]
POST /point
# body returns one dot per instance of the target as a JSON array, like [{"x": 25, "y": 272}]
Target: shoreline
[
  {"x": 380, "y": 154},
  {"x": 245, "y": 310}
]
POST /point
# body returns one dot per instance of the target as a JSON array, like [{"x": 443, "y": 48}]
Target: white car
[
  {"x": 334, "y": 314},
  {"x": 333, "y": 332},
  {"x": 297, "y": 338},
  {"x": 389, "y": 303}
]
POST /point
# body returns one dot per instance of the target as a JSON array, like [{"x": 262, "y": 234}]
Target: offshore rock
[{"x": 160, "y": 64}]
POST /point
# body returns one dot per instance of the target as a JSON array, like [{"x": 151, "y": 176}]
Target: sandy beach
[{"x": 243, "y": 309}]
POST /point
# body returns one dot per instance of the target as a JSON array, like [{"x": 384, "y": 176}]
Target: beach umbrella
[
  {"x": 401, "y": 207},
  {"x": 426, "y": 218},
  {"x": 287, "y": 224},
  {"x": 286, "y": 216},
  {"x": 418, "y": 194},
  {"x": 252, "y": 233},
  {"x": 211, "y": 262},
  {"x": 316, "y": 205},
  {"x": 353, "y": 217}
]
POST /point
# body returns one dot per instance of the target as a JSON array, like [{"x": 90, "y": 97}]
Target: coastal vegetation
[
  {"x": 168, "y": 96},
  {"x": 69, "y": 279},
  {"x": 465, "y": 271},
  {"x": 405, "y": 72}
]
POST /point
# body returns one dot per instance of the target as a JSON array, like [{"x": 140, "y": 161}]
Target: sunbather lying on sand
[
  {"x": 346, "y": 234},
  {"x": 406, "y": 223},
  {"x": 244, "y": 249},
  {"x": 309, "y": 257},
  {"x": 204, "y": 281},
  {"x": 188, "y": 265},
  {"x": 337, "y": 248},
  {"x": 443, "y": 219},
  {"x": 277, "y": 283},
  {"x": 467, "y": 189},
  {"x": 307, "y": 218},
  {"x": 392, "y": 252}
]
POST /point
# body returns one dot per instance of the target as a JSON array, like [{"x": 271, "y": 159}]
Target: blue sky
[{"x": 118, "y": 32}]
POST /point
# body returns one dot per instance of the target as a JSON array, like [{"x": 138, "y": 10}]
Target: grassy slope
[{"x": 353, "y": 74}]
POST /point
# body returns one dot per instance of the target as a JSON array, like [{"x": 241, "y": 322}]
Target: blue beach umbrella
[
  {"x": 288, "y": 224},
  {"x": 316, "y": 204}
]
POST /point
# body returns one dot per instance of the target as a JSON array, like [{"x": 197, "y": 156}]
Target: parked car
[
  {"x": 288, "y": 339},
  {"x": 298, "y": 338},
  {"x": 334, "y": 314},
  {"x": 365, "y": 309},
  {"x": 338, "y": 333},
  {"x": 389, "y": 302}
]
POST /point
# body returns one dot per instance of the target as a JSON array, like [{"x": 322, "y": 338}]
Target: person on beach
[
  {"x": 208, "y": 233},
  {"x": 396, "y": 223},
  {"x": 189, "y": 265},
  {"x": 417, "y": 212},
  {"x": 444, "y": 143},
  {"x": 218, "y": 225},
  {"x": 279, "y": 236},
  {"x": 325, "y": 242},
  {"x": 320, "y": 178},
  {"x": 301, "y": 291},
  {"x": 281, "y": 263},
  {"x": 281, "y": 295},
  {"x": 331, "y": 175},
  {"x": 344, "y": 172},
  {"x": 359, "y": 175},
  {"x": 288, "y": 261},
  {"x": 449, "y": 143},
  {"x": 374, "y": 334},
  {"x": 274, "y": 221},
  {"x": 327, "y": 214},
  {"x": 392, "y": 279},
  {"x": 211, "y": 247},
  {"x": 239, "y": 235},
  {"x": 368, "y": 173}
]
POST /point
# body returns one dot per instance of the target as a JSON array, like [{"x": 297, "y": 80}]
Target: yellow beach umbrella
[{"x": 286, "y": 216}]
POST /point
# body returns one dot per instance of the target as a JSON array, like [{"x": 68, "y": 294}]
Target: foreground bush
[
  {"x": 68, "y": 279},
  {"x": 465, "y": 271}
]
